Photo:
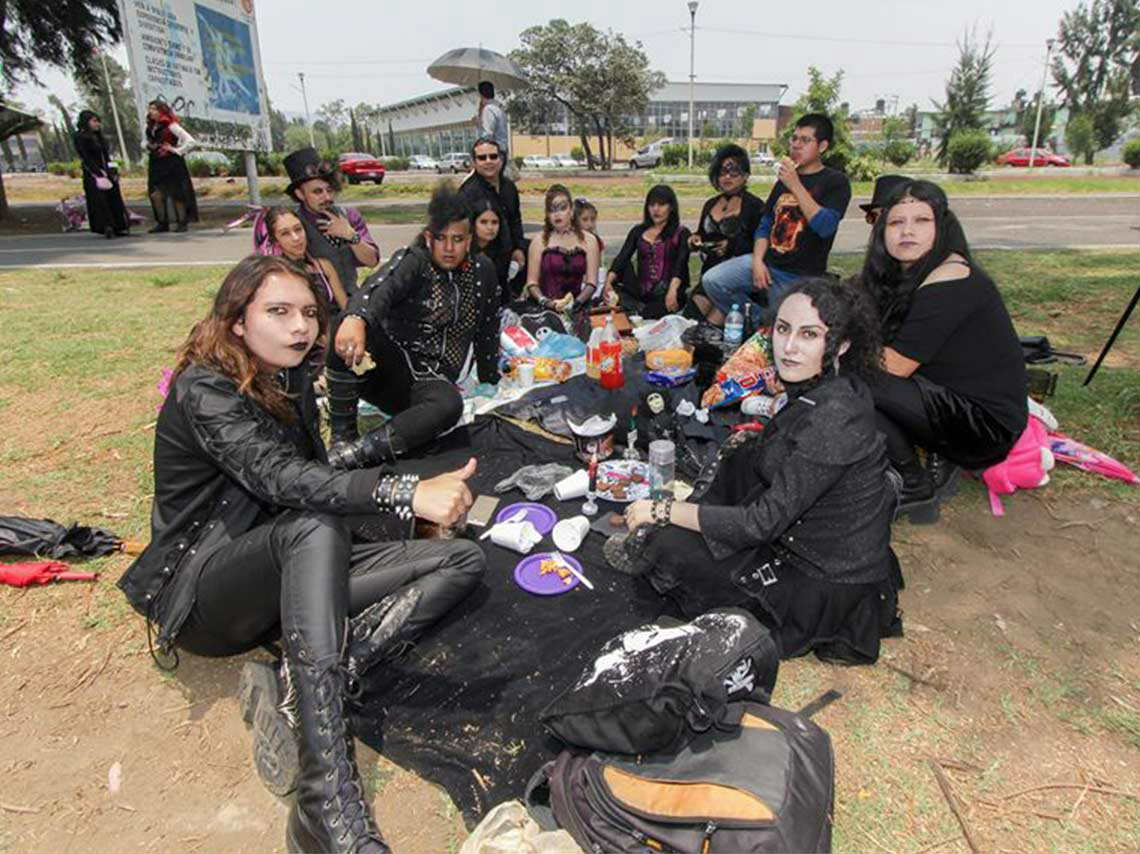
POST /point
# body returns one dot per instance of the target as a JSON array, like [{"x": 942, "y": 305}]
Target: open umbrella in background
[{"x": 469, "y": 66}]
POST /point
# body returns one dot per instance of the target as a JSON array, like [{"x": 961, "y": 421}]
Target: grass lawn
[{"x": 1007, "y": 688}]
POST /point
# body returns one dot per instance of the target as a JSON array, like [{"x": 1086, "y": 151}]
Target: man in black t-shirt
[{"x": 795, "y": 236}]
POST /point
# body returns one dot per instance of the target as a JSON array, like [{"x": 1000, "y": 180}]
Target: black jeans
[
  {"x": 913, "y": 411},
  {"x": 420, "y": 409},
  {"x": 301, "y": 574}
]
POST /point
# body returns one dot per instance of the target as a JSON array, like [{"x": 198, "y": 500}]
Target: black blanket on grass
[{"x": 462, "y": 709}]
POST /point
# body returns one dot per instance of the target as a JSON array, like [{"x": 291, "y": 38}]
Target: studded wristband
[
  {"x": 662, "y": 512},
  {"x": 394, "y": 494}
]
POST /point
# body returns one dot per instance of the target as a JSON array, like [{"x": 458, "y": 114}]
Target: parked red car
[
  {"x": 1043, "y": 157},
  {"x": 356, "y": 167}
]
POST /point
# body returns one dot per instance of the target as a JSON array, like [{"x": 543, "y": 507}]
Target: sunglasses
[
  {"x": 730, "y": 170},
  {"x": 871, "y": 216},
  {"x": 494, "y": 156},
  {"x": 559, "y": 207}
]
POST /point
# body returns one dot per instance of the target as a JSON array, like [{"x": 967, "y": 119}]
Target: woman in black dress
[
  {"x": 728, "y": 220},
  {"x": 167, "y": 178},
  {"x": 955, "y": 380},
  {"x": 106, "y": 213},
  {"x": 795, "y": 524}
]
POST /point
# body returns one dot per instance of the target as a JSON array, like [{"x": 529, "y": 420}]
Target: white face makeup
[
  {"x": 280, "y": 323},
  {"x": 798, "y": 340},
  {"x": 909, "y": 231},
  {"x": 656, "y": 403}
]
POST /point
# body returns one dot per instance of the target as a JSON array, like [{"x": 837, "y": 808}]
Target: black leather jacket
[
  {"x": 821, "y": 494},
  {"x": 222, "y": 466}
]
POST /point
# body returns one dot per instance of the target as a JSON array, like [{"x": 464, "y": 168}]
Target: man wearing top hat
[
  {"x": 335, "y": 232},
  {"x": 885, "y": 185}
]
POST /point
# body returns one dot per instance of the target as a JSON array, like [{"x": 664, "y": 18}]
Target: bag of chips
[{"x": 748, "y": 371}]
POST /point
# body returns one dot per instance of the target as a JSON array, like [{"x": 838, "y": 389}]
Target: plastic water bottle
[
  {"x": 662, "y": 468},
  {"x": 734, "y": 327}
]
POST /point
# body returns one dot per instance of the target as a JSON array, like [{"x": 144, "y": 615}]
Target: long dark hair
[
  {"x": 662, "y": 194},
  {"x": 890, "y": 286},
  {"x": 732, "y": 152},
  {"x": 849, "y": 316},
  {"x": 480, "y": 207},
  {"x": 81, "y": 128},
  {"x": 553, "y": 193},
  {"x": 212, "y": 341}
]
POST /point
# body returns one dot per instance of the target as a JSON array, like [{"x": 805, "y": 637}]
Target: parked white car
[
  {"x": 649, "y": 156},
  {"x": 537, "y": 161},
  {"x": 565, "y": 161},
  {"x": 762, "y": 158},
  {"x": 455, "y": 161},
  {"x": 422, "y": 161}
]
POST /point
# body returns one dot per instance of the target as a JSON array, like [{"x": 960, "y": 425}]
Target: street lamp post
[
  {"x": 1040, "y": 101},
  {"x": 305, "y": 98},
  {"x": 692, "y": 76}
]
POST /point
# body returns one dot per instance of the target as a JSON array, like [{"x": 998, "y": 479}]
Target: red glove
[{"x": 41, "y": 572}]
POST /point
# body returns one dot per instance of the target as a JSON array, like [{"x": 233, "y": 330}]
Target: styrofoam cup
[
  {"x": 569, "y": 533},
  {"x": 574, "y": 486}
]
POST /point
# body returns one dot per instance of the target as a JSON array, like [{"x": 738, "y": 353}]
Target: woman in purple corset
[
  {"x": 562, "y": 266},
  {"x": 651, "y": 272}
]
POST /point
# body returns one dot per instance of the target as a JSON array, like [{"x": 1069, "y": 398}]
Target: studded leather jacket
[
  {"x": 435, "y": 316},
  {"x": 222, "y": 466},
  {"x": 821, "y": 496}
]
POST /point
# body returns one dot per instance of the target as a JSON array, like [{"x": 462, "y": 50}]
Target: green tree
[
  {"x": 1098, "y": 64},
  {"x": 897, "y": 147},
  {"x": 599, "y": 78},
  {"x": 277, "y": 124},
  {"x": 968, "y": 149},
  {"x": 1080, "y": 136},
  {"x": 822, "y": 96},
  {"x": 1027, "y": 121},
  {"x": 93, "y": 95},
  {"x": 967, "y": 91}
]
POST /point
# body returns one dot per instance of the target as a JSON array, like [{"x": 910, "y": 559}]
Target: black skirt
[
  {"x": 168, "y": 175},
  {"x": 105, "y": 208},
  {"x": 805, "y": 613}
]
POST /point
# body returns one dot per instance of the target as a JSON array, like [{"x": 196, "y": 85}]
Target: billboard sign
[{"x": 201, "y": 57}]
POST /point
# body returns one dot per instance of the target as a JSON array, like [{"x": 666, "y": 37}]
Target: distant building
[{"x": 439, "y": 122}]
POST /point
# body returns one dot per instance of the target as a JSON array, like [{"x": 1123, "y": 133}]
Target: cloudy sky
[{"x": 362, "y": 50}]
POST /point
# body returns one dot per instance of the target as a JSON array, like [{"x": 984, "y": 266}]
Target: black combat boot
[
  {"x": 917, "y": 499},
  {"x": 375, "y": 633},
  {"x": 344, "y": 398},
  {"x": 374, "y": 447},
  {"x": 267, "y": 701}
]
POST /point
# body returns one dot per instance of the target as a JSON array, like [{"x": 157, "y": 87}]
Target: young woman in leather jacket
[
  {"x": 251, "y": 540},
  {"x": 795, "y": 524}
]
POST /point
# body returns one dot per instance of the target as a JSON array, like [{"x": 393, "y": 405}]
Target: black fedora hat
[
  {"x": 303, "y": 165},
  {"x": 885, "y": 185}
]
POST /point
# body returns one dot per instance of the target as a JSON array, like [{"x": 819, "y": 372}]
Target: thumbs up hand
[{"x": 445, "y": 499}]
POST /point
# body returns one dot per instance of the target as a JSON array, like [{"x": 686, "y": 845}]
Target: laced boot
[
  {"x": 330, "y": 813},
  {"x": 917, "y": 499},
  {"x": 343, "y": 388},
  {"x": 374, "y": 447},
  {"x": 267, "y": 700},
  {"x": 375, "y": 633},
  {"x": 943, "y": 475}
]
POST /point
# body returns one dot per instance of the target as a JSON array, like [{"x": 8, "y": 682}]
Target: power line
[{"x": 851, "y": 40}]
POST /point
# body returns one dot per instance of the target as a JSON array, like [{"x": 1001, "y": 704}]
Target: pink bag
[
  {"x": 102, "y": 182},
  {"x": 1026, "y": 466}
]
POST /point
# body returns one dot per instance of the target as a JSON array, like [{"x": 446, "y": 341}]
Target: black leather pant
[
  {"x": 420, "y": 409},
  {"x": 301, "y": 574},
  {"x": 913, "y": 411}
]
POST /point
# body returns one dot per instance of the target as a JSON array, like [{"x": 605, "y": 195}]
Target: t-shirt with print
[
  {"x": 960, "y": 333},
  {"x": 792, "y": 245}
]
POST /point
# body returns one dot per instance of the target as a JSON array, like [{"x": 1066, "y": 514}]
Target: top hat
[
  {"x": 885, "y": 185},
  {"x": 303, "y": 165}
]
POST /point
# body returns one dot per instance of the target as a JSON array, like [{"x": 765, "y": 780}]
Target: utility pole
[
  {"x": 1040, "y": 101},
  {"x": 692, "y": 75},
  {"x": 115, "y": 111},
  {"x": 305, "y": 98}
]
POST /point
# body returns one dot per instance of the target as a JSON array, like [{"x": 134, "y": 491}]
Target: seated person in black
[
  {"x": 250, "y": 541},
  {"x": 955, "y": 381},
  {"x": 795, "y": 524},
  {"x": 728, "y": 220},
  {"x": 419, "y": 317},
  {"x": 651, "y": 269}
]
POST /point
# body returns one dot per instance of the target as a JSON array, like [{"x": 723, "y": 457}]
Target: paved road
[{"x": 1038, "y": 222}]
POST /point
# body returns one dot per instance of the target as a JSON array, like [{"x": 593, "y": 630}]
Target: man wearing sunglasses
[
  {"x": 508, "y": 251},
  {"x": 422, "y": 320},
  {"x": 885, "y": 185}
]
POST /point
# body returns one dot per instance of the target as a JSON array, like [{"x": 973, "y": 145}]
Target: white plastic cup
[
  {"x": 526, "y": 374},
  {"x": 517, "y": 536},
  {"x": 571, "y": 487},
  {"x": 568, "y": 534}
]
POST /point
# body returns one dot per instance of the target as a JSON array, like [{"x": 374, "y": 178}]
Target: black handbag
[{"x": 652, "y": 688}]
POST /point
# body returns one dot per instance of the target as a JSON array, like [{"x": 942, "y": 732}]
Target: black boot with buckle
[
  {"x": 267, "y": 701},
  {"x": 917, "y": 500},
  {"x": 344, "y": 399},
  {"x": 374, "y": 447}
]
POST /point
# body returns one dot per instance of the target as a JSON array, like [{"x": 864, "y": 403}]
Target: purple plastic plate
[
  {"x": 528, "y": 578},
  {"x": 539, "y": 515}
]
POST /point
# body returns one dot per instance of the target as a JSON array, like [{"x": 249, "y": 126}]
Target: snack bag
[
  {"x": 747, "y": 372},
  {"x": 545, "y": 368},
  {"x": 663, "y": 360}
]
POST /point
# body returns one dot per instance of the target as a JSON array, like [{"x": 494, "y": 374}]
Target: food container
[{"x": 595, "y": 435}]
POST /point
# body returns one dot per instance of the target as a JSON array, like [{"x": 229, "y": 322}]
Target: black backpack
[
  {"x": 651, "y": 688},
  {"x": 767, "y": 786}
]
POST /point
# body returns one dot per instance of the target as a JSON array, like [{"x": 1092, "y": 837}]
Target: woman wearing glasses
[
  {"x": 650, "y": 275},
  {"x": 562, "y": 265},
  {"x": 729, "y": 219}
]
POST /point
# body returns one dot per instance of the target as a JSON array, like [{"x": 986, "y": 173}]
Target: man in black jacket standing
[
  {"x": 508, "y": 252},
  {"x": 420, "y": 318}
]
